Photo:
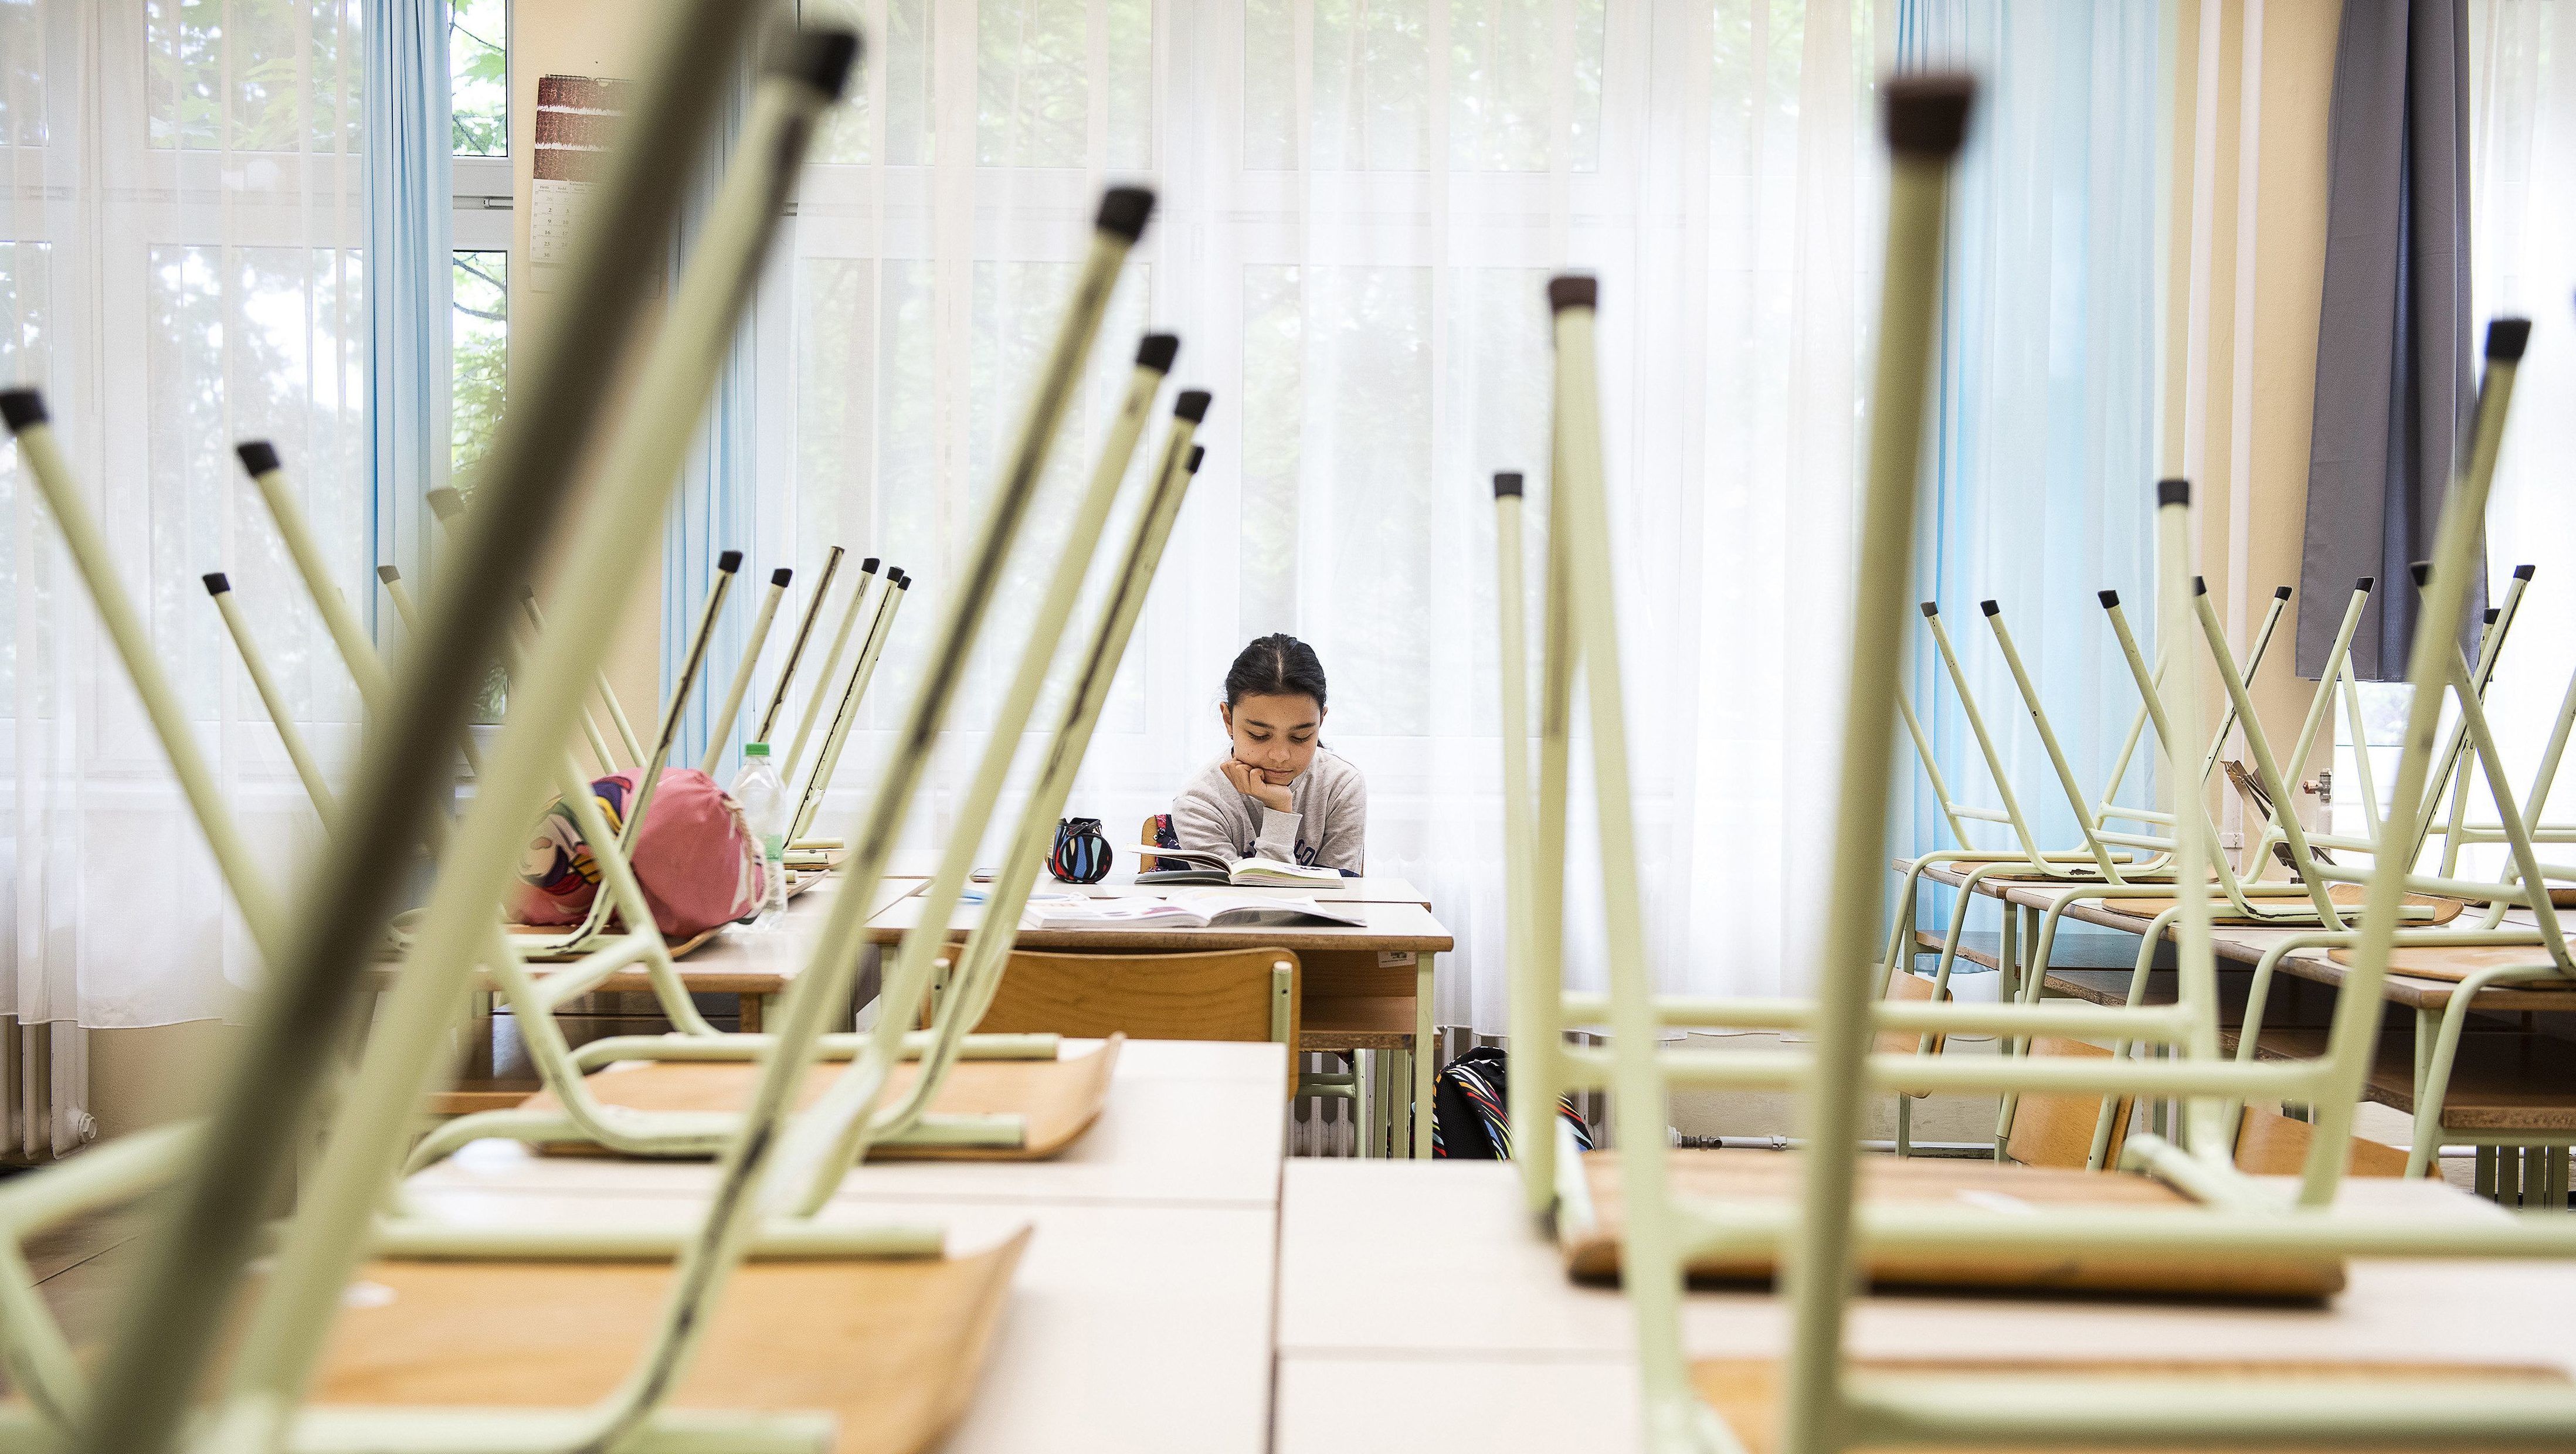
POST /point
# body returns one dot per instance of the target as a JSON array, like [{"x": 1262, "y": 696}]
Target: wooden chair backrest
[
  {"x": 1220, "y": 996},
  {"x": 1904, "y": 985},
  {"x": 2271, "y": 1144},
  {"x": 2056, "y": 1128}
]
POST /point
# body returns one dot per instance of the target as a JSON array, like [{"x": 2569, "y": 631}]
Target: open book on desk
[
  {"x": 1185, "y": 909},
  {"x": 1206, "y": 866}
]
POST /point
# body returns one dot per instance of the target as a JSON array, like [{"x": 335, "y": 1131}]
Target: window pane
[
  {"x": 253, "y": 75},
  {"x": 22, "y": 73},
  {"x": 250, "y": 343},
  {"x": 1503, "y": 75},
  {"x": 479, "y": 338},
  {"x": 905, "y": 56},
  {"x": 26, "y": 336},
  {"x": 478, "y": 76},
  {"x": 1339, "y": 527},
  {"x": 1033, "y": 82}
]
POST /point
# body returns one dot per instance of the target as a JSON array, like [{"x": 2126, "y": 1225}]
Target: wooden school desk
[
  {"x": 1374, "y": 890},
  {"x": 1348, "y": 973},
  {"x": 755, "y": 969},
  {"x": 1420, "y": 1308},
  {"x": 1140, "y": 1317},
  {"x": 2508, "y": 1088}
]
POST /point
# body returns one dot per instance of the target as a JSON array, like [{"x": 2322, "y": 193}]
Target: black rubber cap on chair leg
[
  {"x": 1574, "y": 290},
  {"x": 729, "y": 562},
  {"x": 2172, "y": 492},
  {"x": 781, "y": 576},
  {"x": 2522, "y": 572},
  {"x": 2108, "y": 599},
  {"x": 388, "y": 574},
  {"x": 2422, "y": 571},
  {"x": 1931, "y": 609},
  {"x": 1157, "y": 352},
  {"x": 2200, "y": 585},
  {"x": 1991, "y": 608},
  {"x": 2280, "y": 593},
  {"x": 899, "y": 580},
  {"x": 257, "y": 456},
  {"x": 2492, "y": 613},
  {"x": 445, "y": 504},
  {"x": 1192, "y": 405},
  {"x": 1507, "y": 484},
  {"x": 2365, "y": 584},
  {"x": 821, "y": 57},
  {"x": 216, "y": 585},
  {"x": 2506, "y": 338},
  {"x": 868, "y": 567},
  {"x": 22, "y": 408},
  {"x": 1197, "y": 452},
  {"x": 1927, "y": 115},
  {"x": 1124, "y": 210}
]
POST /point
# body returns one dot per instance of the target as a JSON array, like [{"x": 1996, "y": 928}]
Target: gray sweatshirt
[{"x": 1328, "y": 827}]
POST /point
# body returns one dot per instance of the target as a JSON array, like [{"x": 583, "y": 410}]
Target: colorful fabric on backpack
[
  {"x": 1158, "y": 831},
  {"x": 1471, "y": 1109},
  {"x": 694, "y": 857},
  {"x": 558, "y": 862},
  {"x": 1081, "y": 854}
]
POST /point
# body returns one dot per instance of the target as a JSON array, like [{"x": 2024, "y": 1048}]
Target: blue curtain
[
  {"x": 409, "y": 195},
  {"x": 717, "y": 509},
  {"x": 2043, "y": 461}
]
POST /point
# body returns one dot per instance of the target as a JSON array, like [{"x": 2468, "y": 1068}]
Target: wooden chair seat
[
  {"x": 1913, "y": 988},
  {"x": 1746, "y": 1391},
  {"x": 2454, "y": 963},
  {"x": 2271, "y": 1144},
  {"x": 2072, "y": 871},
  {"x": 2055, "y": 1128},
  {"x": 2433, "y": 910},
  {"x": 1057, "y": 1099},
  {"x": 891, "y": 1348},
  {"x": 1592, "y": 1251}
]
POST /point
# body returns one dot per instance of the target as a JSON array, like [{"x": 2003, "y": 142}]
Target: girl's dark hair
[{"x": 1275, "y": 666}]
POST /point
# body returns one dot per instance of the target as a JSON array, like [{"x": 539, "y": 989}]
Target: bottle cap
[{"x": 755, "y": 749}]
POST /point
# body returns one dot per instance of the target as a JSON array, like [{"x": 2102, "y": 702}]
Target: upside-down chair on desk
[
  {"x": 1839, "y": 1223},
  {"x": 608, "y": 1349}
]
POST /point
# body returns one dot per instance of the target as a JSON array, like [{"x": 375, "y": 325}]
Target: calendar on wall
[{"x": 576, "y": 117}]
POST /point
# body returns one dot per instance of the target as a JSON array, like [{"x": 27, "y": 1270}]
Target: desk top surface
[
  {"x": 1421, "y": 1293},
  {"x": 1128, "y": 1327},
  {"x": 1140, "y": 1318},
  {"x": 1391, "y": 927},
  {"x": 1186, "y": 1123},
  {"x": 1122, "y": 883},
  {"x": 739, "y": 962}
]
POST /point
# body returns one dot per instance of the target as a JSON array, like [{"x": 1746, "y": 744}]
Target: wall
[
  {"x": 578, "y": 38},
  {"x": 2243, "y": 296}
]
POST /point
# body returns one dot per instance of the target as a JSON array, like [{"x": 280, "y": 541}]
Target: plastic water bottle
[{"x": 764, "y": 803}]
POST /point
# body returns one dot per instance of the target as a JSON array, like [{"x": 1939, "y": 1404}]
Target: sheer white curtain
[
  {"x": 1360, "y": 203},
  {"x": 179, "y": 269},
  {"x": 2522, "y": 227}
]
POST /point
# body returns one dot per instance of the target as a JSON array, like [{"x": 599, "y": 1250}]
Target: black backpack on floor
[{"x": 1471, "y": 1109}]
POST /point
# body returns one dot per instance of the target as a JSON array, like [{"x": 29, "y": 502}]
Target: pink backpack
[{"x": 696, "y": 858}]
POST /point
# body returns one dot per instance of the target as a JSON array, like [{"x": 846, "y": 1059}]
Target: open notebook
[
  {"x": 1185, "y": 909},
  {"x": 1202, "y": 866}
]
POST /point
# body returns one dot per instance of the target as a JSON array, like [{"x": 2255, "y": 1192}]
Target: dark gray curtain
[{"x": 2393, "y": 385}]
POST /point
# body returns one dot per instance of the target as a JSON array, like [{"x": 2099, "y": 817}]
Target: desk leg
[
  {"x": 1424, "y": 1054},
  {"x": 754, "y": 1011}
]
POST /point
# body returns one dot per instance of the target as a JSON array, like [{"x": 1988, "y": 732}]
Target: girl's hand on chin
[{"x": 1248, "y": 781}]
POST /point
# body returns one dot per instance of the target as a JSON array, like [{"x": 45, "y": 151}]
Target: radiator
[{"x": 45, "y": 1070}]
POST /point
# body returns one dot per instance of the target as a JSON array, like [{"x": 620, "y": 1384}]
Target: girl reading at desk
[{"x": 1276, "y": 793}]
